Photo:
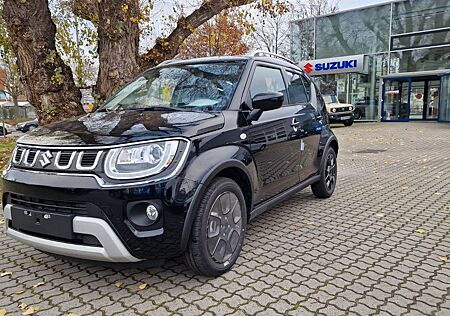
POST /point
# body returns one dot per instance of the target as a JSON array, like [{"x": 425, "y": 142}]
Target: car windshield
[
  {"x": 330, "y": 99},
  {"x": 202, "y": 87}
]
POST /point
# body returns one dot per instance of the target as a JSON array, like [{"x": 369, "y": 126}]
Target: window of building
[
  {"x": 422, "y": 59},
  {"x": 267, "y": 79},
  {"x": 364, "y": 31},
  {"x": 296, "y": 89},
  {"x": 426, "y": 39},
  {"x": 302, "y": 40},
  {"x": 420, "y": 15}
]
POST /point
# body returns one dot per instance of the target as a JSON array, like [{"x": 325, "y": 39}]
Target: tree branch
[
  {"x": 85, "y": 9},
  {"x": 167, "y": 48}
]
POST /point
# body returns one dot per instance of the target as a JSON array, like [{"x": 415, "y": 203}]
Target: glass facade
[
  {"x": 420, "y": 15},
  {"x": 444, "y": 104},
  {"x": 410, "y": 37},
  {"x": 364, "y": 31},
  {"x": 422, "y": 59}
]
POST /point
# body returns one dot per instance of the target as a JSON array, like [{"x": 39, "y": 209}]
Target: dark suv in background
[{"x": 176, "y": 163}]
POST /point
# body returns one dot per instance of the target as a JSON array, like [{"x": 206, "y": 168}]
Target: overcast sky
[{"x": 349, "y": 4}]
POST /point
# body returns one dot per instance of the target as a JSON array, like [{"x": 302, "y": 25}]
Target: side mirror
[{"x": 268, "y": 101}]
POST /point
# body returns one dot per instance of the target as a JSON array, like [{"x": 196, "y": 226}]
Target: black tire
[
  {"x": 198, "y": 255},
  {"x": 325, "y": 187},
  {"x": 348, "y": 123}
]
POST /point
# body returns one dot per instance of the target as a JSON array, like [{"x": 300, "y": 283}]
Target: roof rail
[
  {"x": 261, "y": 53},
  {"x": 168, "y": 61}
]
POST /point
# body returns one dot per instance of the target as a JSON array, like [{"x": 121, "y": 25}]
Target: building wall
[{"x": 398, "y": 37}]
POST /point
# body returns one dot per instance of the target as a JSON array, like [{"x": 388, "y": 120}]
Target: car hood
[{"x": 110, "y": 128}]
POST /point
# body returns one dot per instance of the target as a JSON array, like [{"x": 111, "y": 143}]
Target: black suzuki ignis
[{"x": 175, "y": 164}]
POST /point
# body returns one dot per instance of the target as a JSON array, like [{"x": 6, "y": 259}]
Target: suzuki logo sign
[
  {"x": 308, "y": 68},
  {"x": 45, "y": 158},
  {"x": 334, "y": 65}
]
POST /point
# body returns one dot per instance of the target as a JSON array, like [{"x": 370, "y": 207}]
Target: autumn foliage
[{"x": 222, "y": 35}]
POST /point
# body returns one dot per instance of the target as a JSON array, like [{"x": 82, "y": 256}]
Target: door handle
[{"x": 295, "y": 123}]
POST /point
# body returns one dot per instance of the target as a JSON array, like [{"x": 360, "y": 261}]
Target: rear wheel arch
[{"x": 334, "y": 144}]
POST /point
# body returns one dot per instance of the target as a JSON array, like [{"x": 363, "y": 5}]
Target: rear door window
[{"x": 296, "y": 89}]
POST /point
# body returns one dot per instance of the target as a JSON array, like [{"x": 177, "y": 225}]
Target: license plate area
[
  {"x": 43, "y": 223},
  {"x": 344, "y": 118}
]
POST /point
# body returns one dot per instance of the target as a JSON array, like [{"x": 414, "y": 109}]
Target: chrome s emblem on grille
[{"x": 45, "y": 158}]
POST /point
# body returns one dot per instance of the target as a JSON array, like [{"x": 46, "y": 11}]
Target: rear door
[
  {"x": 302, "y": 94},
  {"x": 273, "y": 137}
]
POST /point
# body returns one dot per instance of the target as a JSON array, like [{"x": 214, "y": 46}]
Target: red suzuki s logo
[{"x": 308, "y": 68}]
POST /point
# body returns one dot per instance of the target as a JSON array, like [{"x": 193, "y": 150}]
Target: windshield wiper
[{"x": 157, "y": 108}]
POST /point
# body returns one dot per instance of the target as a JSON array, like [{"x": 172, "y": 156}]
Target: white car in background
[{"x": 338, "y": 112}]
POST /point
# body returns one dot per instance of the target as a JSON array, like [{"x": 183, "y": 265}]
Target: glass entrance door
[
  {"x": 417, "y": 99},
  {"x": 396, "y": 99},
  {"x": 434, "y": 90}
]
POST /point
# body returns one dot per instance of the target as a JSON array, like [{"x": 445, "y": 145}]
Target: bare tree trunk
[
  {"x": 47, "y": 80},
  {"x": 118, "y": 45}
]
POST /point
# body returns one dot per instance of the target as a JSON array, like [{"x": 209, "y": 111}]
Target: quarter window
[
  {"x": 307, "y": 84},
  {"x": 267, "y": 80},
  {"x": 296, "y": 89}
]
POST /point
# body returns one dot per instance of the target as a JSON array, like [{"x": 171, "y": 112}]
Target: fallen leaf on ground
[
  {"x": 445, "y": 259},
  {"x": 22, "y": 305},
  {"x": 72, "y": 314},
  {"x": 379, "y": 215},
  {"x": 421, "y": 231},
  {"x": 20, "y": 292},
  {"x": 2, "y": 221},
  {"x": 309, "y": 223},
  {"x": 118, "y": 284},
  {"x": 5, "y": 273},
  {"x": 31, "y": 310},
  {"x": 38, "y": 284},
  {"x": 36, "y": 260},
  {"x": 2, "y": 312},
  {"x": 143, "y": 286}
]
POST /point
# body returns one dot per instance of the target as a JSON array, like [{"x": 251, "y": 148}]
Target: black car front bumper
[{"x": 87, "y": 221}]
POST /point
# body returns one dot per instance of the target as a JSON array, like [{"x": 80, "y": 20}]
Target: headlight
[
  {"x": 351, "y": 108},
  {"x": 140, "y": 161},
  {"x": 333, "y": 110}
]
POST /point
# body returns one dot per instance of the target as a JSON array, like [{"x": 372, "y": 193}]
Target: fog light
[
  {"x": 145, "y": 213},
  {"x": 152, "y": 212}
]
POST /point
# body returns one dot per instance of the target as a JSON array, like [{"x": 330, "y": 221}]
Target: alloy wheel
[
  {"x": 224, "y": 227},
  {"x": 330, "y": 172}
]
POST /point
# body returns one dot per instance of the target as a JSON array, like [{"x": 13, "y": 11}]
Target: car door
[
  {"x": 310, "y": 124},
  {"x": 274, "y": 144}
]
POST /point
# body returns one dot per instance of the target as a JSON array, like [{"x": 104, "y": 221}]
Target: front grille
[
  {"x": 40, "y": 204},
  {"x": 64, "y": 158},
  {"x": 88, "y": 159},
  {"x": 31, "y": 156},
  {"x": 54, "y": 159},
  {"x": 344, "y": 109}
]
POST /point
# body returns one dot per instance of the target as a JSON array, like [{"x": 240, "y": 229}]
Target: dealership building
[{"x": 392, "y": 61}]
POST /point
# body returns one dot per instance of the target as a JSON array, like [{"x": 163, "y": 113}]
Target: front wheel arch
[{"x": 232, "y": 169}]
